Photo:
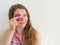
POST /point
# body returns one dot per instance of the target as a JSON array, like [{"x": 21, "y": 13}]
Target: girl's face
[{"x": 24, "y": 17}]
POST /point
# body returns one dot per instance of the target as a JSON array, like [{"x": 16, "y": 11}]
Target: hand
[{"x": 13, "y": 23}]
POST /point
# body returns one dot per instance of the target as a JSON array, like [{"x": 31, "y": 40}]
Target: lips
[{"x": 21, "y": 22}]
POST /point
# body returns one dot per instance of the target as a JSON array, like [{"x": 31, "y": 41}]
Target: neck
[{"x": 20, "y": 30}]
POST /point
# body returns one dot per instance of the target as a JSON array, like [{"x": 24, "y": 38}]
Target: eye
[{"x": 24, "y": 15}]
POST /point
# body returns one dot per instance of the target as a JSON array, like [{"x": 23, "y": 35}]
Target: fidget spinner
[{"x": 19, "y": 17}]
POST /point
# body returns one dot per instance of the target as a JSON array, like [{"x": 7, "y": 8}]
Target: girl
[{"x": 21, "y": 31}]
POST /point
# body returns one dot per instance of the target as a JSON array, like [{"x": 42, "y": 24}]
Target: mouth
[{"x": 21, "y": 22}]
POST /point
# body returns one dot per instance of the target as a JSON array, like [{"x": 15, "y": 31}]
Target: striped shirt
[{"x": 15, "y": 40}]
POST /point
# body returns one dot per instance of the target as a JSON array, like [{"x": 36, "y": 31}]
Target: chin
[{"x": 21, "y": 25}]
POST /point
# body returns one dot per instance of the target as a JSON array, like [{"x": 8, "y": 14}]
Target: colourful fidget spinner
[{"x": 19, "y": 17}]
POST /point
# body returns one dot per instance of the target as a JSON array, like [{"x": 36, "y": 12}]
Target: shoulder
[
  {"x": 37, "y": 35},
  {"x": 4, "y": 35},
  {"x": 7, "y": 31},
  {"x": 33, "y": 30},
  {"x": 38, "y": 38}
]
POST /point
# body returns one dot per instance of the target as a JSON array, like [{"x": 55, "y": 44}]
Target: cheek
[{"x": 26, "y": 20}]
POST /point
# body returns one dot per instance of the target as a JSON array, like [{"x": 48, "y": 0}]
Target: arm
[
  {"x": 7, "y": 37},
  {"x": 9, "y": 33}
]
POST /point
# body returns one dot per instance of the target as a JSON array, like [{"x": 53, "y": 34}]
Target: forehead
[{"x": 20, "y": 11}]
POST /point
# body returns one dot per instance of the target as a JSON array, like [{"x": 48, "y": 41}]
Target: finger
[{"x": 16, "y": 17}]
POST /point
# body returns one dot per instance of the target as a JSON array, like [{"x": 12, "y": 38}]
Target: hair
[{"x": 29, "y": 31}]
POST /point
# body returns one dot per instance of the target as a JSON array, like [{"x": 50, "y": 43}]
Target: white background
[{"x": 45, "y": 17}]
